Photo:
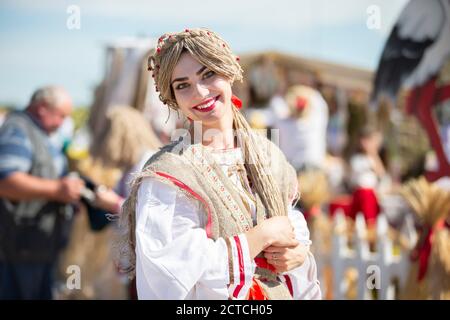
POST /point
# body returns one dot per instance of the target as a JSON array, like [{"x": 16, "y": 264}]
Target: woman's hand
[
  {"x": 279, "y": 231},
  {"x": 108, "y": 200},
  {"x": 276, "y": 231},
  {"x": 286, "y": 258}
]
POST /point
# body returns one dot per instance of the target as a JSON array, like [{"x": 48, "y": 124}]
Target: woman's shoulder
[
  {"x": 170, "y": 165},
  {"x": 167, "y": 154}
]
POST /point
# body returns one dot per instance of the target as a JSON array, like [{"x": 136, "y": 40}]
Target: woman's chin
[{"x": 212, "y": 116}]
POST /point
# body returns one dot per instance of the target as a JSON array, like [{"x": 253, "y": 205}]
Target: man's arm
[{"x": 22, "y": 186}]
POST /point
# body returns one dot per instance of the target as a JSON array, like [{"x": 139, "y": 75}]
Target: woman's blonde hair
[
  {"x": 204, "y": 45},
  {"x": 213, "y": 52}
]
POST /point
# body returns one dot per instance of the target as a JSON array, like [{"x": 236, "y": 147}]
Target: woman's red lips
[{"x": 211, "y": 107}]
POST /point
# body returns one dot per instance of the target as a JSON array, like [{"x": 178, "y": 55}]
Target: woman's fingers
[
  {"x": 277, "y": 256},
  {"x": 275, "y": 249}
]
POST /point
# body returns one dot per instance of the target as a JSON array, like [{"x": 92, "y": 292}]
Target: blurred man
[
  {"x": 35, "y": 196},
  {"x": 303, "y": 133}
]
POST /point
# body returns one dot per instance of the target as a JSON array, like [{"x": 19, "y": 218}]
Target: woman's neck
[
  {"x": 222, "y": 141},
  {"x": 217, "y": 138}
]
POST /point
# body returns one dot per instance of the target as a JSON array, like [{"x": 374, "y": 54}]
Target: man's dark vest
[{"x": 33, "y": 231}]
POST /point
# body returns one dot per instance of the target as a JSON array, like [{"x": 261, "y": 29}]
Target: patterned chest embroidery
[{"x": 198, "y": 155}]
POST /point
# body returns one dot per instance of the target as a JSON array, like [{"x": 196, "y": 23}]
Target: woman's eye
[
  {"x": 181, "y": 86},
  {"x": 208, "y": 74}
]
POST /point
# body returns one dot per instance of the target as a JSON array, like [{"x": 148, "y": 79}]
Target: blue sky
[{"x": 36, "y": 47}]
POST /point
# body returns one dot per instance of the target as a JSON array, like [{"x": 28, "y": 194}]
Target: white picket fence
[{"x": 376, "y": 270}]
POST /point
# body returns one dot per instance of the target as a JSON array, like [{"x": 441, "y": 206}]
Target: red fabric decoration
[
  {"x": 365, "y": 201},
  {"x": 256, "y": 292},
  {"x": 236, "y": 101},
  {"x": 422, "y": 253},
  {"x": 262, "y": 263},
  {"x": 300, "y": 103},
  {"x": 343, "y": 202}
]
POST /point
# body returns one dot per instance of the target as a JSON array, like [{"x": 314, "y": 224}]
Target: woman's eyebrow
[
  {"x": 186, "y": 78},
  {"x": 201, "y": 70}
]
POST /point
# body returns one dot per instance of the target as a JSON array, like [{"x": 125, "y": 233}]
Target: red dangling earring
[
  {"x": 190, "y": 120},
  {"x": 236, "y": 101}
]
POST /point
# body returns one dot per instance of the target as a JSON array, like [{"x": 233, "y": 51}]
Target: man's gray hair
[{"x": 51, "y": 96}]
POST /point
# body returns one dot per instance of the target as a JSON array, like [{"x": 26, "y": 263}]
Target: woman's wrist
[
  {"x": 258, "y": 240},
  {"x": 266, "y": 237}
]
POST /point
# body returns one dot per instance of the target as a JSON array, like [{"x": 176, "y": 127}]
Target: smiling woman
[{"x": 216, "y": 220}]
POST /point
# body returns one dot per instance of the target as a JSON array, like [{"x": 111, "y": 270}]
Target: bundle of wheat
[
  {"x": 99, "y": 173},
  {"x": 431, "y": 204},
  {"x": 427, "y": 200},
  {"x": 314, "y": 189},
  {"x": 439, "y": 278}
]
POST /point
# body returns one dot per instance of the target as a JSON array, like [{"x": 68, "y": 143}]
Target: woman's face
[{"x": 201, "y": 94}]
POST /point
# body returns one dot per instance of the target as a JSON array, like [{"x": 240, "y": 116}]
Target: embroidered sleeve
[
  {"x": 241, "y": 267},
  {"x": 174, "y": 256},
  {"x": 302, "y": 281}
]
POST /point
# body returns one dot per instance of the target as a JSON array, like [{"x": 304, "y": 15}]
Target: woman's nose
[{"x": 200, "y": 90}]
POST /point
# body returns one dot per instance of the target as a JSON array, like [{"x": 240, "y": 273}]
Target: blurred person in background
[
  {"x": 368, "y": 174},
  {"x": 35, "y": 196},
  {"x": 303, "y": 133}
]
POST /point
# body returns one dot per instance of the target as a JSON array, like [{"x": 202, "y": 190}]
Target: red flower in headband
[
  {"x": 300, "y": 103},
  {"x": 236, "y": 101}
]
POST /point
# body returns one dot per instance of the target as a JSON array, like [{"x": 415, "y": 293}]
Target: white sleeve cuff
[{"x": 301, "y": 228}]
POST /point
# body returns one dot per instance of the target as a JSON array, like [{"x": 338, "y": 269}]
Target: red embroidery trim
[
  {"x": 241, "y": 267},
  {"x": 289, "y": 284}
]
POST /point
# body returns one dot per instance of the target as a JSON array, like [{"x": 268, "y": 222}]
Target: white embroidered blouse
[{"x": 176, "y": 260}]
